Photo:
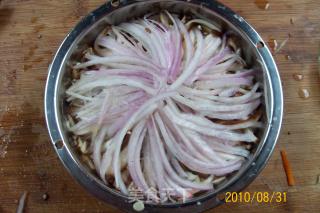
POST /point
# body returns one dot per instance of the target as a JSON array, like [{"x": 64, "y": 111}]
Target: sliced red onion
[
  {"x": 159, "y": 170},
  {"x": 193, "y": 163},
  {"x": 193, "y": 63},
  {"x": 202, "y": 104},
  {"x": 145, "y": 110},
  {"x": 240, "y": 74},
  {"x": 170, "y": 171},
  {"x": 205, "y": 23},
  {"x": 107, "y": 160},
  {"x": 223, "y": 83},
  {"x": 188, "y": 53},
  {"x": 162, "y": 85},
  {"x": 97, "y": 147},
  {"x": 134, "y": 153},
  {"x": 112, "y": 81},
  {"x": 148, "y": 165},
  {"x": 177, "y": 167}
]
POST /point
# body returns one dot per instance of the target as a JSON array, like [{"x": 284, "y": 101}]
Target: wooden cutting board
[{"x": 30, "y": 33}]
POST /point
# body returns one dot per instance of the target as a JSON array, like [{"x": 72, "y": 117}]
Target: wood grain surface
[{"x": 30, "y": 33}]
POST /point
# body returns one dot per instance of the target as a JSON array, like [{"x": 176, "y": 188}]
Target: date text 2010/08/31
[{"x": 259, "y": 197}]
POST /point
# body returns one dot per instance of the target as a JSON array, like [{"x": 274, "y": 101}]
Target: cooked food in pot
[{"x": 164, "y": 102}]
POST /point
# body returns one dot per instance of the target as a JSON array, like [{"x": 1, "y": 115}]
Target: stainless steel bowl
[{"x": 254, "y": 51}]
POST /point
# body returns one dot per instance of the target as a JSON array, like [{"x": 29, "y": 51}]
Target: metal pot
[{"x": 115, "y": 12}]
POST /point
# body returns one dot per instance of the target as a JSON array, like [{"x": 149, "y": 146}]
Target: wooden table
[{"x": 30, "y": 33}]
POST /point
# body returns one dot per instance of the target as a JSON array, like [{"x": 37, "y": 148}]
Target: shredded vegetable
[{"x": 164, "y": 103}]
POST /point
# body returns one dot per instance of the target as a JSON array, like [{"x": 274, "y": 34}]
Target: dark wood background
[{"x": 30, "y": 33}]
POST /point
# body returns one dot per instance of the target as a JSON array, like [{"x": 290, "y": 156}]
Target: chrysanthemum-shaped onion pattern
[{"x": 167, "y": 102}]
